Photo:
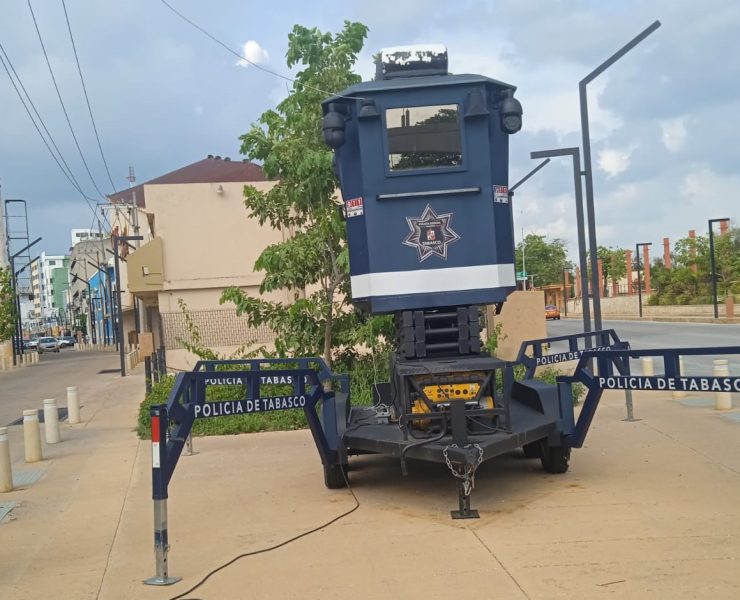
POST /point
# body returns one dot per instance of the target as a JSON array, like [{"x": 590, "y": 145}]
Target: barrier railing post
[
  {"x": 160, "y": 420},
  {"x": 189, "y": 445},
  {"x": 677, "y": 394},
  {"x": 51, "y": 421},
  {"x": 722, "y": 400},
  {"x": 6, "y": 470},
  {"x": 647, "y": 366},
  {"x": 32, "y": 435},
  {"x": 148, "y": 374},
  {"x": 73, "y": 405}
]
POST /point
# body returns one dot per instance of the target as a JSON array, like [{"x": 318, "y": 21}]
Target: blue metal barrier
[
  {"x": 532, "y": 353},
  {"x": 672, "y": 380},
  {"x": 172, "y": 423}
]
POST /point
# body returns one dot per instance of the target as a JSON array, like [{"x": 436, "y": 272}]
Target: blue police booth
[{"x": 422, "y": 158}]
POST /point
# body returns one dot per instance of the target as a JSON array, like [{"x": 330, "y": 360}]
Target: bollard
[
  {"x": 677, "y": 394},
  {"x": 32, "y": 435},
  {"x": 6, "y": 471},
  {"x": 51, "y": 421},
  {"x": 160, "y": 421},
  {"x": 3, "y": 363},
  {"x": 722, "y": 400},
  {"x": 647, "y": 366},
  {"x": 73, "y": 406},
  {"x": 148, "y": 374}
]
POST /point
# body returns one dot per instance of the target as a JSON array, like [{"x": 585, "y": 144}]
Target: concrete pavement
[{"x": 650, "y": 509}]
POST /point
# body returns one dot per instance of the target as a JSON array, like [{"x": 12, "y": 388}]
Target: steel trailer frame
[{"x": 527, "y": 413}]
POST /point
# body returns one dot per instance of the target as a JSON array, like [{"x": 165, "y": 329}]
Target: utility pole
[
  {"x": 524, "y": 264},
  {"x": 121, "y": 239}
]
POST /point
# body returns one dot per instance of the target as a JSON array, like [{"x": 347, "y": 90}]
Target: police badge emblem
[{"x": 430, "y": 234}]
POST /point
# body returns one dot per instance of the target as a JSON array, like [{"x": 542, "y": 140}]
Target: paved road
[
  {"x": 651, "y": 334},
  {"x": 27, "y": 387}
]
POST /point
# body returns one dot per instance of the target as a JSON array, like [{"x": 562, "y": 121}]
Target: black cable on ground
[{"x": 182, "y": 595}]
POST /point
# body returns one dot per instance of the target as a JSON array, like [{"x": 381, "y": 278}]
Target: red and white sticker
[
  {"x": 354, "y": 207},
  {"x": 501, "y": 194}
]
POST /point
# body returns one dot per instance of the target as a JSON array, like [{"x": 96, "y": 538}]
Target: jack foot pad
[
  {"x": 162, "y": 580},
  {"x": 468, "y": 514}
]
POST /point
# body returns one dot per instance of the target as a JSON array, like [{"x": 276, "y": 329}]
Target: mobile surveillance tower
[{"x": 422, "y": 157}]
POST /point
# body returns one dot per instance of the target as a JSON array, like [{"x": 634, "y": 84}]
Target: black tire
[
  {"x": 555, "y": 459},
  {"x": 335, "y": 476},
  {"x": 532, "y": 450}
]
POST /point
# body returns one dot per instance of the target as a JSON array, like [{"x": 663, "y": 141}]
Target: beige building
[{"x": 198, "y": 240}]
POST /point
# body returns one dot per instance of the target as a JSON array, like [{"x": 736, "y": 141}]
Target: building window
[{"x": 423, "y": 137}]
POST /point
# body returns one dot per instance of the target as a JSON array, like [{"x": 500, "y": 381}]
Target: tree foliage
[
  {"x": 7, "y": 306},
  {"x": 544, "y": 260},
  {"x": 312, "y": 262},
  {"x": 682, "y": 284}
]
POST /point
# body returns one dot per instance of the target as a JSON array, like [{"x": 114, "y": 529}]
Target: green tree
[
  {"x": 313, "y": 260},
  {"x": 613, "y": 262},
  {"x": 7, "y": 306},
  {"x": 544, "y": 260}
]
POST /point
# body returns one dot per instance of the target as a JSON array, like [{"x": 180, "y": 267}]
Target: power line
[
  {"x": 59, "y": 95},
  {"x": 245, "y": 59},
  {"x": 68, "y": 173},
  {"x": 60, "y": 159},
  {"x": 87, "y": 99}
]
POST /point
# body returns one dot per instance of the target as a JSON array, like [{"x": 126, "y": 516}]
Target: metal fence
[{"x": 216, "y": 328}]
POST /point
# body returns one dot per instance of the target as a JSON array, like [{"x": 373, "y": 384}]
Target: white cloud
[
  {"x": 253, "y": 53},
  {"x": 703, "y": 187},
  {"x": 615, "y": 162},
  {"x": 673, "y": 133}
]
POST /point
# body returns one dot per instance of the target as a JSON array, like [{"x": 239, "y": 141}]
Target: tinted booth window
[{"x": 421, "y": 137}]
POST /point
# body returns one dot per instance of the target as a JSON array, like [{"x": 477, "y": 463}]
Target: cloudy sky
[{"x": 664, "y": 119}]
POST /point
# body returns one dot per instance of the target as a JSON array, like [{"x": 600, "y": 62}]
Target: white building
[
  {"x": 85, "y": 235},
  {"x": 48, "y": 302}
]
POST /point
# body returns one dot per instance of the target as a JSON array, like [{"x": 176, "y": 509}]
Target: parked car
[
  {"x": 30, "y": 344},
  {"x": 552, "y": 312},
  {"x": 67, "y": 340},
  {"x": 48, "y": 344}
]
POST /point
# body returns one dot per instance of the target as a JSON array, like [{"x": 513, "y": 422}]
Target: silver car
[{"x": 48, "y": 344}]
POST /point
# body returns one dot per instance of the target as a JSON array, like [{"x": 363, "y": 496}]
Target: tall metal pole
[
  {"x": 582, "y": 260},
  {"x": 121, "y": 346},
  {"x": 524, "y": 264},
  {"x": 511, "y": 195},
  {"x": 639, "y": 282},
  {"x": 120, "y": 308},
  {"x": 712, "y": 271},
  {"x": 587, "y": 172}
]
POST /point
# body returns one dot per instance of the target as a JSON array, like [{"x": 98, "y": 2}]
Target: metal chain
[{"x": 468, "y": 471}]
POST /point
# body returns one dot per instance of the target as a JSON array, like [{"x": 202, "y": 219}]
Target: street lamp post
[
  {"x": 586, "y": 142},
  {"x": 511, "y": 195},
  {"x": 575, "y": 156},
  {"x": 565, "y": 290},
  {"x": 639, "y": 281},
  {"x": 713, "y": 273}
]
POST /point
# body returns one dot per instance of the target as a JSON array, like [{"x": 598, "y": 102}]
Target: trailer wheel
[
  {"x": 555, "y": 459},
  {"x": 335, "y": 476},
  {"x": 532, "y": 450}
]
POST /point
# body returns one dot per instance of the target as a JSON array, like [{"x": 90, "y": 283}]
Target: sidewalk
[{"x": 650, "y": 509}]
